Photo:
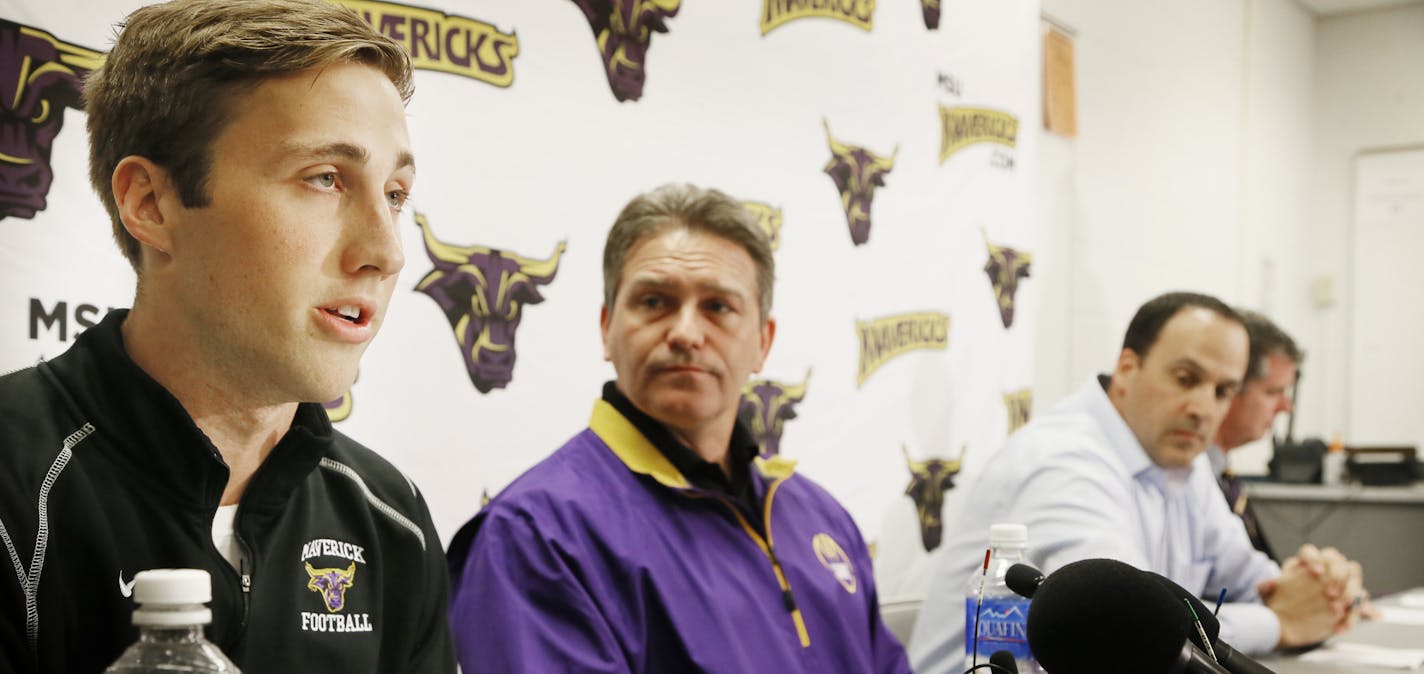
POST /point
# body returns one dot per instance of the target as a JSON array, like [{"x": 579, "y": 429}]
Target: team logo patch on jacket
[
  {"x": 834, "y": 558},
  {"x": 332, "y": 583}
]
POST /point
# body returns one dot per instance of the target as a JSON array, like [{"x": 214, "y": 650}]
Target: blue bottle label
[{"x": 1003, "y": 626}]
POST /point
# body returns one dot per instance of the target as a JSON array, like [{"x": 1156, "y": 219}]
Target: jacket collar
[
  {"x": 641, "y": 457},
  {"x": 148, "y": 430}
]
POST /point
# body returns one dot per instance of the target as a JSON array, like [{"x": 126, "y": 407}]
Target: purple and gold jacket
[{"x": 603, "y": 558}]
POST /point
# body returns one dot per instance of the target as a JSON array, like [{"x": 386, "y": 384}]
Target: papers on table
[
  {"x": 1342, "y": 653},
  {"x": 1401, "y": 616},
  {"x": 1412, "y": 600}
]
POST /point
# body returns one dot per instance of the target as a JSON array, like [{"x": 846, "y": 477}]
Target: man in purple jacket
[{"x": 656, "y": 540}]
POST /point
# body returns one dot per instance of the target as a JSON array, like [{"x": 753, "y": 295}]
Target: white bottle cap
[
  {"x": 172, "y": 597},
  {"x": 1008, "y": 535}
]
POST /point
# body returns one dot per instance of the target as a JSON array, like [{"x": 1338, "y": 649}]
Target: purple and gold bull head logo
[
  {"x": 857, "y": 172},
  {"x": 931, "y": 9},
  {"x": 1005, "y": 267},
  {"x": 331, "y": 584},
  {"x": 929, "y": 479},
  {"x": 482, "y": 292},
  {"x": 40, "y": 76},
  {"x": 766, "y": 406},
  {"x": 624, "y": 29}
]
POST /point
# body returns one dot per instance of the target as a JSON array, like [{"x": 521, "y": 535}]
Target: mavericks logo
[
  {"x": 857, "y": 172},
  {"x": 835, "y": 560},
  {"x": 768, "y": 219},
  {"x": 1005, "y": 267},
  {"x": 40, "y": 77},
  {"x": 886, "y": 338},
  {"x": 1018, "y": 404},
  {"x": 962, "y": 127},
  {"x": 444, "y": 42},
  {"x": 766, "y": 406},
  {"x": 624, "y": 29},
  {"x": 858, "y": 13},
  {"x": 332, "y": 584},
  {"x": 929, "y": 479},
  {"x": 482, "y": 292}
]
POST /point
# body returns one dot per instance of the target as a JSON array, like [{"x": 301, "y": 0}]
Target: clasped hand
[{"x": 1319, "y": 593}]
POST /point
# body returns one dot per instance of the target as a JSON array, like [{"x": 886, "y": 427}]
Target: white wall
[
  {"x": 1274, "y": 262},
  {"x": 1189, "y": 169},
  {"x": 1369, "y": 94}
]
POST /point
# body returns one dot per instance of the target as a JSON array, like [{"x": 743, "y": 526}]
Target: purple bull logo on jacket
[
  {"x": 835, "y": 559},
  {"x": 931, "y": 11},
  {"x": 766, "y": 406},
  {"x": 40, "y": 76},
  {"x": 444, "y": 42},
  {"x": 1005, "y": 267},
  {"x": 857, "y": 172},
  {"x": 624, "y": 29},
  {"x": 483, "y": 292},
  {"x": 858, "y": 13},
  {"x": 331, "y": 584},
  {"x": 929, "y": 480}
]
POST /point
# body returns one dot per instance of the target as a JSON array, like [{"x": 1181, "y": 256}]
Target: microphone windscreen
[
  {"x": 1023, "y": 580},
  {"x": 1209, "y": 622},
  {"x": 1005, "y": 660},
  {"x": 1101, "y": 616}
]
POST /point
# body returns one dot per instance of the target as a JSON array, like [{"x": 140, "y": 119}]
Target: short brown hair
[
  {"x": 694, "y": 208},
  {"x": 1266, "y": 338},
  {"x": 164, "y": 90}
]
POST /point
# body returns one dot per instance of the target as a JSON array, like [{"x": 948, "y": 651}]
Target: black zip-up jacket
[{"x": 103, "y": 474}]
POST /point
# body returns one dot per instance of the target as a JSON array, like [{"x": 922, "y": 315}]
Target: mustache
[{"x": 681, "y": 361}]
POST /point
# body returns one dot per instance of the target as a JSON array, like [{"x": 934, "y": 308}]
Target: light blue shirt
[{"x": 1081, "y": 482}]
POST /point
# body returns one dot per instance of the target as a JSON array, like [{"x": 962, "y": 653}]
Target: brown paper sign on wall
[{"x": 1060, "y": 97}]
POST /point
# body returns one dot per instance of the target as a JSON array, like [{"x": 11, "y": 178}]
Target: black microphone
[
  {"x": 1233, "y": 660},
  {"x": 1101, "y": 616},
  {"x": 1023, "y": 579},
  {"x": 1004, "y": 660}
]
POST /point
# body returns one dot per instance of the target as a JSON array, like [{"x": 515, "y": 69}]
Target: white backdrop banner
[{"x": 889, "y": 146}]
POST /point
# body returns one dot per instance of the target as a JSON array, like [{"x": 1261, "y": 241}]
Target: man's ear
[
  {"x": 603, "y": 330},
  {"x": 142, "y": 192},
  {"x": 1128, "y": 363}
]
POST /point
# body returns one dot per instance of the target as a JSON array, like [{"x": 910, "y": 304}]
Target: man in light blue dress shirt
[{"x": 1118, "y": 470}]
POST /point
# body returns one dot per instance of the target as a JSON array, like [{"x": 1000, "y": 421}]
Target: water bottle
[
  {"x": 170, "y": 617},
  {"x": 1003, "y": 615}
]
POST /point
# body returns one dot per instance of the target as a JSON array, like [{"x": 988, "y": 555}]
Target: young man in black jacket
[{"x": 253, "y": 157}]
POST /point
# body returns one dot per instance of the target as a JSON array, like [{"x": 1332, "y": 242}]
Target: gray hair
[
  {"x": 696, "y": 209},
  {"x": 1266, "y": 338}
]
